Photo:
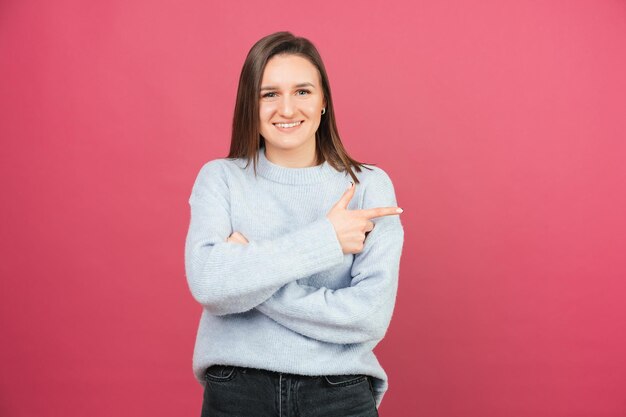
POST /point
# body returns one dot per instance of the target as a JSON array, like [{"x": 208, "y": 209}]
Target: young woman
[{"x": 295, "y": 256}]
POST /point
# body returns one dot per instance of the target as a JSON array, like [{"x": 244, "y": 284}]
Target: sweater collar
[{"x": 285, "y": 175}]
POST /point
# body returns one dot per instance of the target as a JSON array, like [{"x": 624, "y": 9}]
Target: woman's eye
[{"x": 273, "y": 94}]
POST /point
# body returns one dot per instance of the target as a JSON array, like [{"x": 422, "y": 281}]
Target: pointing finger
[{"x": 379, "y": 212}]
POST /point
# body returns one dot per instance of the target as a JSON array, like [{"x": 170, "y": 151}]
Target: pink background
[{"x": 502, "y": 125}]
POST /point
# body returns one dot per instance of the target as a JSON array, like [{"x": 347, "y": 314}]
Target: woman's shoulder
[
  {"x": 221, "y": 166},
  {"x": 374, "y": 176},
  {"x": 216, "y": 174},
  {"x": 376, "y": 187}
]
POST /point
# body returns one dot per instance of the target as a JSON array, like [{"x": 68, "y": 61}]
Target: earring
[{"x": 323, "y": 110}]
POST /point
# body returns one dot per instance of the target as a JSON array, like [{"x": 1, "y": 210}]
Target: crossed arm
[
  {"x": 229, "y": 278},
  {"x": 358, "y": 313}
]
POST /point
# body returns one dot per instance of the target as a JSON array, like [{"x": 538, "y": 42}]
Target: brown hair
[{"x": 246, "y": 138}]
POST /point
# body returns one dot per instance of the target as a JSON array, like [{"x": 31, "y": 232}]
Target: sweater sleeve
[
  {"x": 227, "y": 277},
  {"x": 362, "y": 311}
]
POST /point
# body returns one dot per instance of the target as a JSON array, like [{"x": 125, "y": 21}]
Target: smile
[{"x": 288, "y": 125}]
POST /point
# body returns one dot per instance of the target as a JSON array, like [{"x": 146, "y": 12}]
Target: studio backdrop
[{"x": 501, "y": 124}]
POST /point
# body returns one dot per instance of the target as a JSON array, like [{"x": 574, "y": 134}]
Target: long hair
[{"x": 246, "y": 139}]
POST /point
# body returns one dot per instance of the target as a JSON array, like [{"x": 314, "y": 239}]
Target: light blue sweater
[{"x": 290, "y": 300}]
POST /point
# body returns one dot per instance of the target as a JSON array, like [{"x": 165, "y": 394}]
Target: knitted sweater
[{"x": 290, "y": 300}]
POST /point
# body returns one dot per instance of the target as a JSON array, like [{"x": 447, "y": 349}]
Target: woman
[{"x": 296, "y": 269}]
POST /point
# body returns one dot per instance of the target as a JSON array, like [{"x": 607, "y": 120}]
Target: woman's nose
[{"x": 286, "y": 107}]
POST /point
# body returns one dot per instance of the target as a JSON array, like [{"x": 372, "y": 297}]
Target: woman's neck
[
  {"x": 302, "y": 157},
  {"x": 295, "y": 176}
]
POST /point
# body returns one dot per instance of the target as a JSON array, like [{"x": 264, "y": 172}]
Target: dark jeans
[{"x": 245, "y": 392}]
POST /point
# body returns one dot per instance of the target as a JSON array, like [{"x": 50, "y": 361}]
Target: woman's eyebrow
[{"x": 271, "y": 87}]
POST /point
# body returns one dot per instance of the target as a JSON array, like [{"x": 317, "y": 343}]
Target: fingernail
[{"x": 399, "y": 210}]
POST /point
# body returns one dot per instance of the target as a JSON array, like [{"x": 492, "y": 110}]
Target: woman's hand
[
  {"x": 237, "y": 237},
  {"x": 352, "y": 225}
]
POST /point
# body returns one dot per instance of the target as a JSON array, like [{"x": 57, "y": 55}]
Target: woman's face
[{"x": 291, "y": 102}]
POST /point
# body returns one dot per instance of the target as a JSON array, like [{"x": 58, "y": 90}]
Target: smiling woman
[
  {"x": 296, "y": 274},
  {"x": 291, "y": 109},
  {"x": 283, "y": 80}
]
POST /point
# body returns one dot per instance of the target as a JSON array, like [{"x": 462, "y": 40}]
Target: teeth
[{"x": 285, "y": 125}]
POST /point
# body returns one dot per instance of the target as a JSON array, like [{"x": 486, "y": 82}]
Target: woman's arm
[
  {"x": 358, "y": 313},
  {"x": 229, "y": 278}
]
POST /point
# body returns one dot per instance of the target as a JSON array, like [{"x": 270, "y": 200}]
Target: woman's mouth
[{"x": 287, "y": 127}]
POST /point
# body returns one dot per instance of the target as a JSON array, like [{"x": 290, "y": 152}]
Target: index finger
[{"x": 379, "y": 212}]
